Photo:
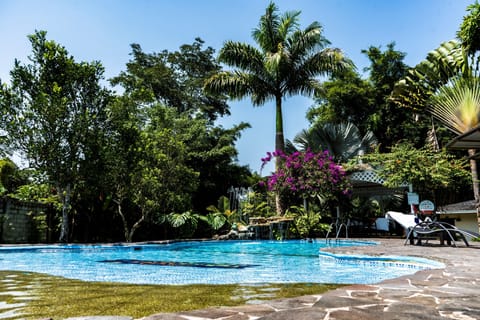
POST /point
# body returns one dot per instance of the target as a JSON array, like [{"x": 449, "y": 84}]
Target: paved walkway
[{"x": 450, "y": 293}]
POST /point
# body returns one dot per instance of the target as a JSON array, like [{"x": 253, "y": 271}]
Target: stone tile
[
  {"x": 210, "y": 313},
  {"x": 100, "y": 318},
  {"x": 293, "y": 303},
  {"x": 164, "y": 316},
  {"x": 301, "y": 314},
  {"x": 253, "y": 310}
]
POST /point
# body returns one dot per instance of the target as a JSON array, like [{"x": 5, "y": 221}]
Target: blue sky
[{"x": 104, "y": 29}]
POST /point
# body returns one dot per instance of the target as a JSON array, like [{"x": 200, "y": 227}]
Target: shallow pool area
[{"x": 210, "y": 262}]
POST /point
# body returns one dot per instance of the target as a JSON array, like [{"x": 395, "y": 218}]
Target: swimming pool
[{"x": 209, "y": 262}]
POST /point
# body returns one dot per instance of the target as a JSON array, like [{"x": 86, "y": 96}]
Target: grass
[{"x": 57, "y": 298}]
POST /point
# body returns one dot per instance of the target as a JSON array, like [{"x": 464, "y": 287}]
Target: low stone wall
[{"x": 23, "y": 222}]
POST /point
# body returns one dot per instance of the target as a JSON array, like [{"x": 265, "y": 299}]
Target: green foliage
[
  {"x": 390, "y": 123},
  {"x": 426, "y": 170},
  {"x": 259, "y": 205},
  {"x": 367, "y": 103},
  {"x": 417, "y": 86},
  {"x": 216, "y": 220},
  {"x": 307, "y": 223},
  {"x": 344, "y": 98},
  {"x": 174, "y": 79},
  {"x": 155, "y": 82},
  {"x": 146, "y": 167},
  {"x": 39, "y": 227},
  {"x": 8, "y": 171},
  {"x": 386, "y": 69},
  {"x": 186, "y": 223},
  {"x": 52, "y": 104},
  {"x": 342, "y": 140},
  {"x": 469, "y": 32},
  {"x": 37, "y": 192},
  {"x": 221, "y": 214},
  {"x": 209, "y": 149}
]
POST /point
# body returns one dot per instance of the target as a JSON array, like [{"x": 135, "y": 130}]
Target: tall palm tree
[
  {"x": 343, "y": 140},
  {"x": 287, "y": 62},
  {"x": 457, "y": 106}
]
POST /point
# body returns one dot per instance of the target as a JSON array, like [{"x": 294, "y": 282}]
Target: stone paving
[{"x": 449, "y": 293}]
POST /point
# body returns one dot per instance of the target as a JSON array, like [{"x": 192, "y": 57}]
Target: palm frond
[
  {"x": 304, "y": 140},
  {"x": 441, "y": 65},
  {"x": 457, "y": 105},
  {"x": 302, "y": 78},
  {"x": 241, "y": 55},
  {"x": 342, "y": 140},
  {"x": 288, "y": 24},
  {"x": 266, "y": 34},
  {"x": 304, "y": 43}
]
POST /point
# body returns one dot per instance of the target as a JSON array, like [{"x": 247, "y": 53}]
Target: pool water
[{"x": 209, "y": 262}]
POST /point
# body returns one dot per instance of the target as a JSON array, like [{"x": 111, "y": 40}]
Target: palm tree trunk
[
  {"x": 279, "y": 146},
  {"x": 279, "y": 138},
  {"x": 476, "y": 187}
]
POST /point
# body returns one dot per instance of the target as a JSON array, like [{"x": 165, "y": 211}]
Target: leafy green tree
[
  {"x": 367, "y": 102},
  {"x": 469, "y": 35},
  {"x": 149, "y": 177},
  {"x": 346, "y": 97},
  {"x": 428, "y": 171},
  {"x": 53, "y": 103},
  {"x": 35, "y": 190},
  {"x": 390, "y": 123},
  {"x": 174, "y": 79},
  {"x": 210, "y": 151}
]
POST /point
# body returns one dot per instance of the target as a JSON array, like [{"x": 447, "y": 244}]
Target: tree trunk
[
  {"x": 279, "y": 146},
  {"x": 476, "y": 187},
  {"x": 65, "y": 210},
  {"x": 128, "y": 232},
  {"x": 135, "y": 226},
  {"x": 279, "y": 138}
]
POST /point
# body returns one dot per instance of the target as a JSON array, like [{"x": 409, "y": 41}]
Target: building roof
[
  {"x": 367, "y": 182},
  {"x": 464, "y": 207},
  {"x": 468, "y": 140}
]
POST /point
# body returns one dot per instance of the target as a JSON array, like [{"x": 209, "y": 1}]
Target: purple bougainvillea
[{"x": 307, "y": 174}]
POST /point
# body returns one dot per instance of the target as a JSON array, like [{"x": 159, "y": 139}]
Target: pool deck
[{"x": 449, "y": 293}]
